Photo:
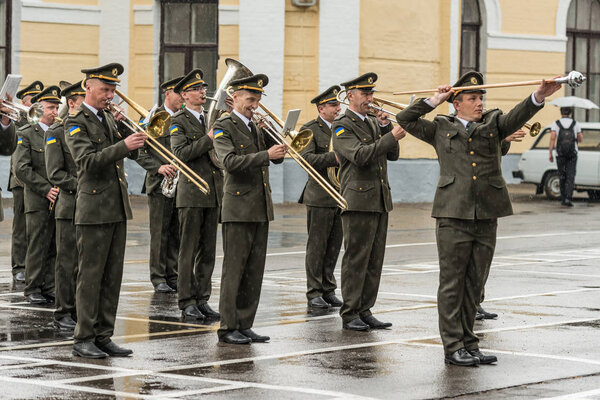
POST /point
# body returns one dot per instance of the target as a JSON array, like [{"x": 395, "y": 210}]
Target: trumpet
[
  {"x": 375, "y": 106},
  {"x": 534, "y": 129},
  {"x": 18, "y": 111},
  {"x": 157, "y": 127}
]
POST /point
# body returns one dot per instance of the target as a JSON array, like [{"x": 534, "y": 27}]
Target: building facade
[{"x": 305, "y": 46}]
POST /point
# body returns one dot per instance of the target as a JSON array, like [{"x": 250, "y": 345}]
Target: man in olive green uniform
[
  {"x": 39, "y": 193},
  {"x": 164, "y": 226},
  {"x": 101, "y": 211},
  {"x": 246, "y": 152},
  {"x": 470, "y": 196},
  {"x": 322, "y": 214},
  {"x": 198, "y": 212},
  {"x": 19, "y": 228},
  {"x": 363, "y": 145},
  {"x": 8, "y": 141},
  {"x": 62, "y": 173}
]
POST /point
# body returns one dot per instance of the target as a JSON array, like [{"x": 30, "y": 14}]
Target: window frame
[
  {"x": 8, "y": 33},
  {"x": 471, "y": 27}
]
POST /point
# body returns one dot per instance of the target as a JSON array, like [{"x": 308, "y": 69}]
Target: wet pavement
[{"x": 544, "y": 284}]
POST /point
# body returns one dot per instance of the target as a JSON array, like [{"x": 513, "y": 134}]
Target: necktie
[
  {"x": 102, "y": 116},
  {"x": 254, "y": 132},
  {"x": 469, "y": 125}
]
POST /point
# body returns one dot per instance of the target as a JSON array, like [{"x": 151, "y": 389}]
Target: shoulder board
[
  {"x": 178, "y": 113},
  {"x": 56, "y": 125},
  {"x": 448, "y": 117},
  {"x": 76, "y": 112},
  {"x": 308, "y": 124},
  {"x": 224, "y": 117},
  {"x": 340, "y": 117},
  {"x": 489, "y": 111},
  {"x": 24, "y": 127}
]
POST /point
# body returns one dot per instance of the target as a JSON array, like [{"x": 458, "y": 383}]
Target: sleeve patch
[
  {"x": 74, "y": 129},
  {"x": 174, "y": 129},
  {"x": 51, "y": 140},
  {"x": 339, "y": 131},
  {"x": 19, "y": 140},
  {"x": 218, "y": 133}
]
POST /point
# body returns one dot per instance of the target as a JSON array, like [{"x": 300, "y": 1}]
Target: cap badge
[
  {"x": 38, "y": 87},
  {"x": 335, "y": 91},
  {"x": 54, "y": 93},
  {"x": 197, "y": 75},
  {"x": 259, "y": 83},
  {"x": 474, "y": 80},
  {"x": 370, "y": 80},
  {"x": 115, "y": 71}
]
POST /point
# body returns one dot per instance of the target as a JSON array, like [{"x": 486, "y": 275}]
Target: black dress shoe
[
  {"x": 208, "y": 311},
  {"x": 461, "y": 357},
  {"x": 332, "y": 300},
  {"x": 173, "y": 285},
  {"x": 355, "y": 325},
  {"x": 483, "y": 359},
  {"x": 255, "y": 336},
  {"x": 88, "y": 350},
  {"x": 235, "y": 337},
  {"x": 36, "y": 298},
  {"x": 50, "y": 297},
  {"x": 192, "y": 312},
  {"x": 113, "y": 350},
  {"x": 318, "y": 302},
  {"x": 374, "y": 323},
  {"x": 19, "y": 277},
  {"x": 485, "y": 314},
  {"x": 65, "y": 323},
  {"x": 163, "y": 288}
]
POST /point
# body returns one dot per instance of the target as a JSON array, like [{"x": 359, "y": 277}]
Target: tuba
[{"x": 235, "y": 70}]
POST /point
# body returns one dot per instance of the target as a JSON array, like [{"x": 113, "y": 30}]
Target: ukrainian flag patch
[
  {"x": 218, "y": 133},
  {"x": 19, "y": 140},
  {"x": 74, "y": 129},
  {"x": 51, "y": 140},
  {"x": 339, "y": 131},
  {"x": 174, "y": 129}
]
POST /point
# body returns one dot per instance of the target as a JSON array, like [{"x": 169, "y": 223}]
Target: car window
[
  {"x": 591, "y": 140},
  {"x": 543, "y": 141}
]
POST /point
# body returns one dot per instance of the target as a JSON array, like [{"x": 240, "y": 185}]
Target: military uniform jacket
[
  {"x": 363, "y": 154},
  {"x": 149, "y": 159},
  {"x": 13, "y": 181},
  {"x": 191, "y": 144},
  {"x": 30, "y": 167},
  {"x": 61, "y": 170},
  {"x": 470, "y": 184},
  {"x": 8, "y": 143},
  {"x": 98, "y": 153},
  {"x": 247, "y": 192},
  {"x": 317, "y": 154}
]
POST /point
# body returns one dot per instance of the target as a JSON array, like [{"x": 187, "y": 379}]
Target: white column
[
  {"x": 338, "y": 58},
  {"x": 114, "y": 36},
  {"x": 262, "y": 27},
  {"x": 454, "y": 44}
]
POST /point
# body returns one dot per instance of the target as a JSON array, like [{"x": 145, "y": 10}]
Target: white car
[{"x": 534, "y": 166}]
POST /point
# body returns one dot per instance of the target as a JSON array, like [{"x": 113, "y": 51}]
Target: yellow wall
[
  {"x": 301, "y": 62},
  {"x": 141, "y": 68},
  {"x": 76, "y": 2},
  {"x": 228, "y": 47},
  {"x": 535, "y": 17}
]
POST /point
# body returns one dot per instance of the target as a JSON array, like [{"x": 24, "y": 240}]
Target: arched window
[
  {"x": 583, "y": 53},
  {"x": 470, "y": 36}
]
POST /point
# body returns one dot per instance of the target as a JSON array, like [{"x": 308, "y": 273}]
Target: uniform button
[
  {"x": 447, "y": 134},
  {"x": 474, "y": 178},
  {"x": 470, "y": 140},
  {"x": 120, "y": 180},
  {"x": 474, "y": 164},
  {"x": 117, "y": 167},
  {"x": 242, "y": 146},
  {"x": 213, "y": 171},
  {"x": 381, "y": 180},
  {"x": 238, "y": 193},
  {"x": 264, "y": 184},
  {"x": 359, "y": 188},
  {"x": 364, "y": 139},
  {"x": 94, "y": 191},
  {"x": 491, "y": 134},
  {"x": 99, "y": 140},
  {"x": 194, "y": 137},
  {"x": 472, "y": 153}
]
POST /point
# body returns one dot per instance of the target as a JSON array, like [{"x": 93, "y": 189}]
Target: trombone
[
  {"x": 534, "y": 129},
  {"x": 376, "y": 105},
  {"x": 157, "y": 127},
  {"x": 18, "y": 111}
]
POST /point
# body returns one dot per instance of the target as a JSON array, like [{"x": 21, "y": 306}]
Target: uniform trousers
[
  {"x": 164, "y": 239},
  {"x": 101, "y": 250},
  {"x": 567, "y": 168},
  {"x": 41, "y": 252},
  {"x": 465, "y": 251},
  {"x": 65, "y": 275},
  {"x": 19, "y": 231},
  {"x": 245, "y": 248},
  {"x": 197, "y": 253},
  {"x": 365, "y": 235},
  {"x": 325, "y": 236}
]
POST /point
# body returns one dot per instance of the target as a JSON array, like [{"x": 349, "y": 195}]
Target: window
[
  {"x": 5, "y": 20},
  {"x": 189, "y": 39},
  {"x": 583, "y": 53},
  {"x": 469, "y": 36}
]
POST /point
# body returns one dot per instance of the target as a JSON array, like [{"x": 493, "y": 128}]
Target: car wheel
[
  {"x": 594, "y": 194},
  {"x": 552, "y": 186}
]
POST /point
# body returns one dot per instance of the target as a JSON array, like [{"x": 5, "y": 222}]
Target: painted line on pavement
[{"x": 589, "y": 394}]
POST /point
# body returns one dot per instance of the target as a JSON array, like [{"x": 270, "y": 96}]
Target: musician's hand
[
  {"x": 516, "y": 137},
  {"x": 382, "y": 118},
  {"x": 211, "y": 134},
  {"x": 398, "y": 132},
  {"x": 167, "y": 170},
  {"x": 229, "y": 102},
  {"x": 261, "y": 124},
  {"x": 337, "y": 158},
  {"x": 52, "y": 194},
  {"x": 546, "y": 89},
  {"x": 135, "y": 141},
  {"x": 551, "y": 158},
  {"x": 5, "y": 110},
  {"x": 277, "y": 152},
  {"x": 444, "y": 92}
]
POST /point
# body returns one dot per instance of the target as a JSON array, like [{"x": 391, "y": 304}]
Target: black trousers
[
  {"x": 41, "y": 252},
  {"x": 65, "y": 275},
  {"x": 164, "y": 239},
  {"x": 465, "y": 251},
  {"x": 19, "y": 231},
  {"x": 325, "y": 236},
  {"x": 365, "y": 235},
  {"x": 197, "y": 253},
  {"x": 566, "y": 173},
  {"x": 101, "y": 250},
  {"x": 245, "y": 248}
]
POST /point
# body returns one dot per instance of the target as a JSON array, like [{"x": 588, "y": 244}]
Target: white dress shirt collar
[
  {"x": 94, "y": 110},
  {"x": 196, "y": 113},
  {"x": 43, "y": 126},
  {"x": 362, "y": 117},
  {"x": 326, "y": 122},
  {"x": 243, "y": 118}
]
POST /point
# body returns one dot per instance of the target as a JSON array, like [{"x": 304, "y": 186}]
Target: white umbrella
[{"x": 574, "y": 101}]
